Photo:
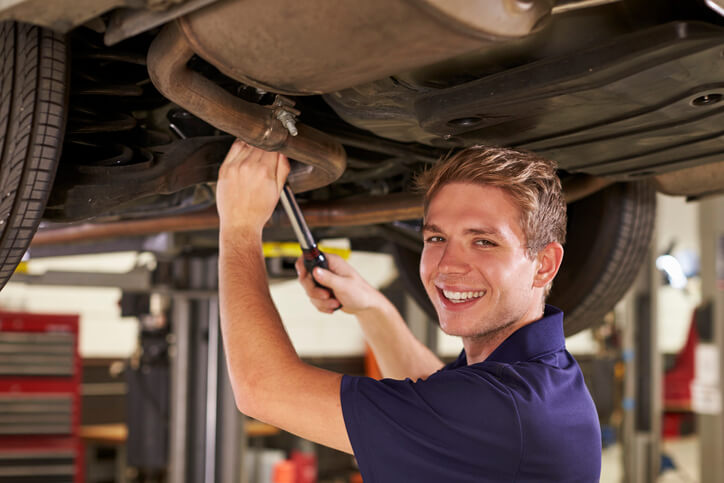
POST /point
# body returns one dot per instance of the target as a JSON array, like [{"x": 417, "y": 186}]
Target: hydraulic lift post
[{"x": 710, "y": 424}]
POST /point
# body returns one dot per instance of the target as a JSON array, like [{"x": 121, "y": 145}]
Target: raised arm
[
  {"x": 269, "y": 380},
  {"x": 398, "y": 352}
]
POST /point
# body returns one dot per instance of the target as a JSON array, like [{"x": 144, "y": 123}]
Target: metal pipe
[
  {"x": 367, "y": 210},
  {"x": 354, "y": 211},
  {"x": 180, "y": 357},
  {"x": 212, "y": 383},
  {"x": 577, "y": 5},
  {"x": 255, "y": 124}
]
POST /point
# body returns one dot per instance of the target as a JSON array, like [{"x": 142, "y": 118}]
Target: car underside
[{"x": 125, "y": 110}]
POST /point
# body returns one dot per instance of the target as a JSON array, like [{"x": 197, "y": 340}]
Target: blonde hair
[{"x": 530, "y": 180}]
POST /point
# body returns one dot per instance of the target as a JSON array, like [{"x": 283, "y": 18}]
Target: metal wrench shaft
[{"x": 311, "y": 255}]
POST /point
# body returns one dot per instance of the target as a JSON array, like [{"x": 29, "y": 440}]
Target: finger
[
  {"x": 233, "y": 152},
  {"x": 235, "y": 148},
  {"x": 313, "y": 290},
  {"x": 300, "y": 268},
  {"x": 252, "y": 155},
  {"x": 338, "y": 265},
  {"x": 265, "y": 164},
  {"x": 327, "y": 278},
  {"x": 239, "y": 150},
  {"x": 282, "y": 170},
  {"x": 326, "y": 306},
  {"x": 307, "y": 282},
  {"x": 319, "y": 293}
]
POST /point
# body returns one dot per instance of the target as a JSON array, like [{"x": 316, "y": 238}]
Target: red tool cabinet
[{"x": 40, "y": 376}]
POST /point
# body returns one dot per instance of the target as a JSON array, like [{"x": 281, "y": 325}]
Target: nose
[{"x": 453, "y": 260}]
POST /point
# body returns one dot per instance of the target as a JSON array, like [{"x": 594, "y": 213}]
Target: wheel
[
  {"x": 33, "y": 84},
  {"x": 608, "y": 237}
]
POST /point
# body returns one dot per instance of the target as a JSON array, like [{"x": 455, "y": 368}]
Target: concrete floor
[{"x": 683, "y": 451}]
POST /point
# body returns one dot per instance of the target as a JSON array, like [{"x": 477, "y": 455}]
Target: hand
[
  {"x": 350, "y": 289},
  {"x": 250, "y": 182}
]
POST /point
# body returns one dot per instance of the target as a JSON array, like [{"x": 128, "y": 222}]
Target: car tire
[
  {"x": 609, "y": 234},
  {"x": 33, "y": 87}
]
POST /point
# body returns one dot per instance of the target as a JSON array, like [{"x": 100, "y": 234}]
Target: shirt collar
[{"x": 540, "y": 337}]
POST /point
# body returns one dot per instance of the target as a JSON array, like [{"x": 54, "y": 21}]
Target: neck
[{"x": 479, "y": 347}]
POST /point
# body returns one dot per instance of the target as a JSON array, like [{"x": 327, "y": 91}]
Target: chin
[{"x": 454, "y": 327}]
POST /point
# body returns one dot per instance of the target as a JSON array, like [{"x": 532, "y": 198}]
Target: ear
[{"x": 549, "y": 261}]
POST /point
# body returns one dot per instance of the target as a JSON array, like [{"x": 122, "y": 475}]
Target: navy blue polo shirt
[{"x": 522, "y": 415}]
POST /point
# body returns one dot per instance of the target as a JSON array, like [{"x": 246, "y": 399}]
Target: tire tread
[{"x": 33, "y": 78}]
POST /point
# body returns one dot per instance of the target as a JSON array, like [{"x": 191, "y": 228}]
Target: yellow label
[
  {"x": 22, "y": 267},
  {"x": 293, "y": 250}
]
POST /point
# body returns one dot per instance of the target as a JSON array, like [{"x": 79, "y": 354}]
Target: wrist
[
  {"x": 379, "y": 307},
  {"x": 239, "y": 233},
  {"x": 240, "y": 238}
]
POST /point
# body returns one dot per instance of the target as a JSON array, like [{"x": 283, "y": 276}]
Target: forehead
[{"x": 472, "y": 206}]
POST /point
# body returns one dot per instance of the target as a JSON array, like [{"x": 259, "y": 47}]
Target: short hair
[{"x": 529, "y": 179}]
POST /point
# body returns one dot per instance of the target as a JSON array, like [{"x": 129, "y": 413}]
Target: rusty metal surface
[
  {"x": 366, "y": 210},
  {"x": 502, "y": 18},
  {"x": 703, "y": 180},
  {"x": 318, "y": 46},
  {"x": 579, "y": 186},
  {"x": 60, "y": 16},
  {"x": 127, "y": 22},
  {"x": 89, "y": 232},
  {"x": 64, "y": 15},
  {"x": 255, "y": 124},
  {"x": 95, "y": 189}
]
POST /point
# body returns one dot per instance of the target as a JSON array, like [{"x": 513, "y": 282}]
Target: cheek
[
  {"x": 521, "y": 273},
  {"x": 428, "y": 263}
]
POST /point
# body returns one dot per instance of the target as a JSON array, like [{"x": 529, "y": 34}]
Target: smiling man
[{"x": 512, "y": 407}]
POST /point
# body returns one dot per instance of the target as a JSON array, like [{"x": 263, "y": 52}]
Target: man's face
[{"x": 474, "y": 265}]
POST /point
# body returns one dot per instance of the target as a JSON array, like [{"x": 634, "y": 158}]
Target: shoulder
[
  {"x": 453, "y": 415},
  {"x": 468, "y": 396}
]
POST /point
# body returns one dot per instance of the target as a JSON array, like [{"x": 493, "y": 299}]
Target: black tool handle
[{"x": 313, "y": 257}]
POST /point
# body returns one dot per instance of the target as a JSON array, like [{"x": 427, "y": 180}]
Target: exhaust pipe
[
  {"x": 357, "y": 211},
  {"x": 257, "y": 125},
  {"x": 354, "y": 211}
]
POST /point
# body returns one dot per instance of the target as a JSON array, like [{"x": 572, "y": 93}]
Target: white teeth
[{"x": 458, "y": 297}]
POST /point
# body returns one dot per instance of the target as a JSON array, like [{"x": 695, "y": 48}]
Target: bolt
[
  {"x": 288, "y": 121},
  {"x": 465, "y": 121},
  {"x": 707, "y": 99},
  {"x": 525, "y": 5}
]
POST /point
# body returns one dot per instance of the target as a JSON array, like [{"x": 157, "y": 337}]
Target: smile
[{"x": 460, "y": 297}]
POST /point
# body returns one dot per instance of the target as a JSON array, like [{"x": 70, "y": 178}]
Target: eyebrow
[{"x": 469, "y": 231}]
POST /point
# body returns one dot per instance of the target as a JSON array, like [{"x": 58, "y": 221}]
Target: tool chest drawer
[{"x": 40, "y": 375}]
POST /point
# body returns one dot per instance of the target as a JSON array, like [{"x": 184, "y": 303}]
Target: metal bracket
[{"x": 286, "y": 114}]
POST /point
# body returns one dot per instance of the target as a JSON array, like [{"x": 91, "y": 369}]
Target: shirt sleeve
[{"x": 455, "y": 426}]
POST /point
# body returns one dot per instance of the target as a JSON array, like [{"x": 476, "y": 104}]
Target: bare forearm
[
  {"x": 398, "y": 352},
  {"x": 269, "y": 381},
  {"x": 255, "y": 341}
]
